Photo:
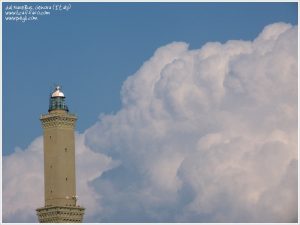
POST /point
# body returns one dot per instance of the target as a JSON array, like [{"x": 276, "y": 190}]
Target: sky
[
  {"x": 92, "y": 49},
  {"x": 187, "y": 112}
]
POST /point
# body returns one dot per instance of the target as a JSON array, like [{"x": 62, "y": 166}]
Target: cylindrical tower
[{"x": 59, "y": 163}]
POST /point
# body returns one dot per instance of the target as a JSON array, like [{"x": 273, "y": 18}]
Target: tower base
[{"x": 60, "y": 214}]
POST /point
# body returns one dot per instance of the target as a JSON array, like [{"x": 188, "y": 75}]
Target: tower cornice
[
  {"x": 59, "y": 120},
  {"x": 60, "y": 214}
]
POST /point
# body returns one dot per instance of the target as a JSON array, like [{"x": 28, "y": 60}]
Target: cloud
[
  {"x": 23, "y": 180},
  {"x": 203, "y": 135}
]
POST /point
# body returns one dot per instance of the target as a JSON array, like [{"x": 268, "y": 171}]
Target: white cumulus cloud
[
  {"x": 203, "y": 135},
  {"x": 23, "y": 180}
]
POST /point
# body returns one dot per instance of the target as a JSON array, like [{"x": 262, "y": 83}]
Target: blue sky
[{"x": 94, "y": 47}]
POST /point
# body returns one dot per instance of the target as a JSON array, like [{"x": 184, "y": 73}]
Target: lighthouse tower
[{"x": 59, "y": 164}]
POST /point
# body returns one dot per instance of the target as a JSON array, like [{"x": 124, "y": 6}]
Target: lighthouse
[{"x": 59, "y": 164}]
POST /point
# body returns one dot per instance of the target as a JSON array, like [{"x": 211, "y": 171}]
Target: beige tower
[{"x": 59, "y": 164}]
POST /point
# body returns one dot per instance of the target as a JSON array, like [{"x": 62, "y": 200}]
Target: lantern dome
[{"x": 57, "y": 92}]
